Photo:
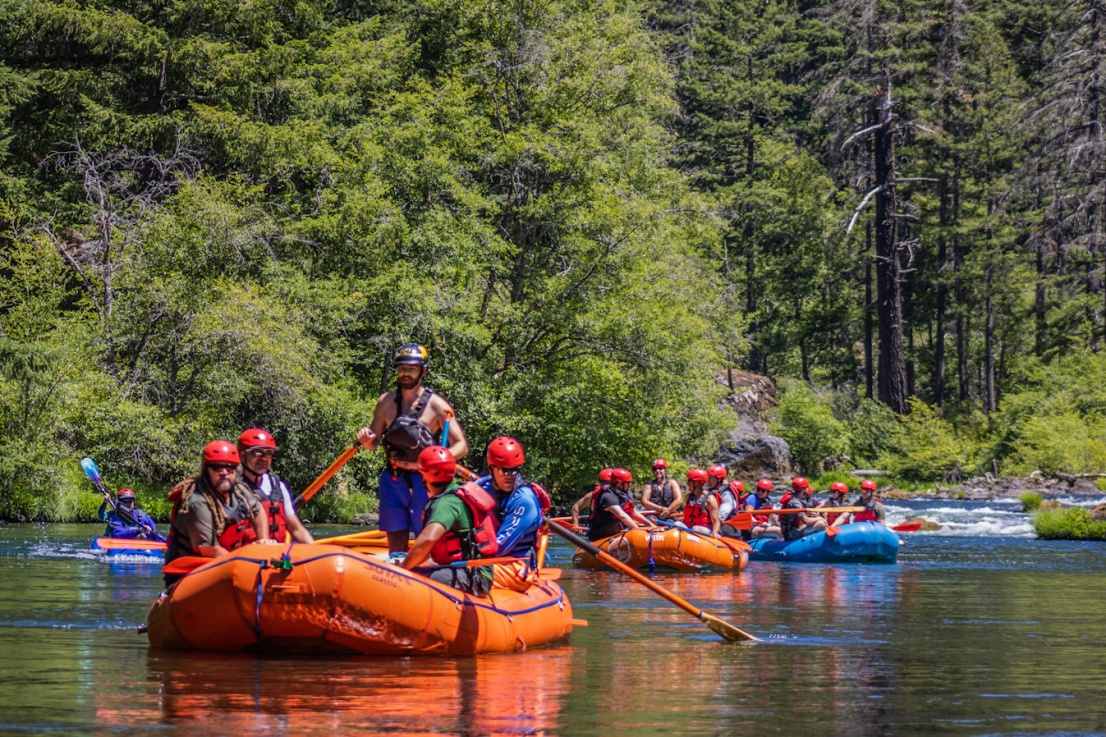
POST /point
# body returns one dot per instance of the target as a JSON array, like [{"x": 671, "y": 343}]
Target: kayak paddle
[
  {"x": 907, "y": 527},
  {"x": 723, "y": 628}
]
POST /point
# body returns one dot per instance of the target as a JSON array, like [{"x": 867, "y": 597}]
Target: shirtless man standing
[{"x": 406, "y": 421}]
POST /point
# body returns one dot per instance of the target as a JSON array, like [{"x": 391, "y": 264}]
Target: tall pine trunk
[{"x": 892, "y": 352}]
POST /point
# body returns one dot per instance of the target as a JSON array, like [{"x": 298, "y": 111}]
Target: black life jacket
[
  {"x": 478, "y": 542},
  {"x": 407, "y": 436},
  {"x": 661, "y": 493}
]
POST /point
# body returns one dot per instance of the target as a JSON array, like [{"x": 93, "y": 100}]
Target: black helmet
[{"x": 411, "y": 354}]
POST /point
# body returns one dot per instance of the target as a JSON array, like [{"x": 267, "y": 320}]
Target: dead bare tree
[{"x": 123, "y": 189}]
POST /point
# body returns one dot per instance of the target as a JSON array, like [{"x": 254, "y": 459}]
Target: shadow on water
[{"x": 966, "y": 635}]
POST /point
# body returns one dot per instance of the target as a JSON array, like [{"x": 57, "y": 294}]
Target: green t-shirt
[{"x": 455, "y": 516}]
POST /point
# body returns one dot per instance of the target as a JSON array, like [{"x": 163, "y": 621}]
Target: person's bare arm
[
  {"x": 712, "y": 510},
  {"x": 260, "y": 522},
  {"x": 370, "y": 436},
  {"x": 299, "y": 533},
  {"x": 581, "y": 504},
  {"x": 647, "y": 500},
  {"x": 624, "y": 518},
  {"x": 420, "y": 549}
]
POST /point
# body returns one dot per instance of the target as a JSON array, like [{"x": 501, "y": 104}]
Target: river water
[{"x": 979, "y": 629}]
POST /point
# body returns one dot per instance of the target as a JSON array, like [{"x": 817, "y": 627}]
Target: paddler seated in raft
[
  {"x": 873, "y": 507},
  {"x": 584, "y": 502},
  {"x": 125, "y": 520},
  {"x": 762, "y": 523},
  {"x": 458, "y": 523},
  {"x": 522, "y": 505},
  {"x": 729, "y": 496},
  {"x": 839, "y": 494},
  {"x": 612, "y": 510},
  {"x": 257, "y": 448},
  {"x": 799, "y": 524},
  {"x": 406, "y": 421},
  {"x": 214, "y": 512},
  {"x": 701, "y": 510},
  {"x": 662, "y": 495}
]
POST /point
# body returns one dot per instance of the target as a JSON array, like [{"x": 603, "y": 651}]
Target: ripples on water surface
[{"x": 967, "y": 635}]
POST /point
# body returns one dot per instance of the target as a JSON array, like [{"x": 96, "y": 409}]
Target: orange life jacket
[{"x": 479, "y": 542}]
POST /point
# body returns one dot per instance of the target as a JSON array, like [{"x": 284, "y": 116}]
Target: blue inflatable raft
[{"x": 859, "y": 542}]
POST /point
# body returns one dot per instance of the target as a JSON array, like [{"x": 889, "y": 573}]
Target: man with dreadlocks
[{"x": 214, "y": 512}]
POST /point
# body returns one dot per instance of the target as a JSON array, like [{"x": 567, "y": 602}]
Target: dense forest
[{"x": 222, "y": 213}]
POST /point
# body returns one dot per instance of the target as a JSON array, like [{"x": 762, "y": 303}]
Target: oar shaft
[
  {"x": 643, "y": 580},
  {"x": 326, "y": 475}
]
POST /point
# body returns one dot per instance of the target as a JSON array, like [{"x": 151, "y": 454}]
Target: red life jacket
[
  {"x": 696, "y": 512},
  {"x": 479, "y": 542},
  {"x": 869, "y": 514},
  {"x": 272, "y": 501},
  {"x": 238, "y": 534}
]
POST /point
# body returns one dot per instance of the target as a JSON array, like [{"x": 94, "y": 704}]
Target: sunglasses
[
  {"x": 221, "y": 469},
  {"x": 261, "y": 452},
  {"x": 507, "y": 471}
]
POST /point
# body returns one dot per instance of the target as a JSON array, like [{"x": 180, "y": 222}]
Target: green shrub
[
  {"x": 1030, "y": 501},
  {"x": 331, "y": 508},
  {"x": 822, "y": 483},
  {"x": 874, "y": 430},
  {"x": 807, "y": 423},
  {"x": 1069, "y": 523},
  {"x": 1061, "y": 442},
  {"x": 930, "y": 448}
]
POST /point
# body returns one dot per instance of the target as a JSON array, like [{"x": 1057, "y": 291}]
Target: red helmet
[
  {"x": 437, "y": 465},
  {"x": 505, "y": 452},
  {"x": 799, "y": 483},
  {"x": 737, "y": 486},
  {"x": 220, "y": 451},
  {"x": 764, "y": 485},
  {"x": 660, "y": 463},
  {"x": 255, "y": 437},
  {"x": 697, "y": 474},
  {"x": 125, "y": 494},
  {"x": 718, "y": 471},
  {"x": 838, "y": 487},
  {"x": 867, "y": 485},
  {"x": 621, "y": 475},
  {"x": 605, "y": 474}
]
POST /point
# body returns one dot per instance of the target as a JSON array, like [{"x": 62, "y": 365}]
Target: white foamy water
[{"x": 998, "y": 518}]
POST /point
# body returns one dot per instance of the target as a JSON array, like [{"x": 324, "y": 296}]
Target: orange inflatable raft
[
  {"x": 669, "y": 548},
  {"x": 334, "y": 599}
]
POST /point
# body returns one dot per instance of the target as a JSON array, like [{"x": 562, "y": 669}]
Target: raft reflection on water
[{"x": 245, "y": 694}]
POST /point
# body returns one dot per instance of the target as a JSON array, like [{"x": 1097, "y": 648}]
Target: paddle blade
[
  {"x": 91, "y": 470},
  {"x": 908, "y": 527},
  {"x": 727, "y": 630},
  {"x": 831, "y": 531}
]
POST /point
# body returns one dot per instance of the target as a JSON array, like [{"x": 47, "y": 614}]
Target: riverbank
[{"x": 984, "y": 488}]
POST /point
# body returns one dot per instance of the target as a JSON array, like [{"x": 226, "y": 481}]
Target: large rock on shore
[
  {"x": 751, "y": 451},
  {"x": 756, "y": 455}
]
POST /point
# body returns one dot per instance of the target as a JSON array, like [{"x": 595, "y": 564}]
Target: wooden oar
[
  {"x": 725, "y": 629},
  {"x": 326, "y": 475}
]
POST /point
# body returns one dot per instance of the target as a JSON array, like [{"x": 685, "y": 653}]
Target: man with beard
[
  {"x": 406, "y": 421},
  {"x": 214, "y": 512}
]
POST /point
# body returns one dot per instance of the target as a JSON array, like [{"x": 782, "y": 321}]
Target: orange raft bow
[
  {"x": 671, "y": 548},
  {"x": 334, "y": 599}
]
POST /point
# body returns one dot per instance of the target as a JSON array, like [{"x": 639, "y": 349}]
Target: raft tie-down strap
[
  {"x": 260, "y": 595},
  {"x": 652, "y": 563}
]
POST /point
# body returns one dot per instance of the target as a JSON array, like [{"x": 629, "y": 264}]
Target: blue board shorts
[{"x": 402, "y": 497}]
